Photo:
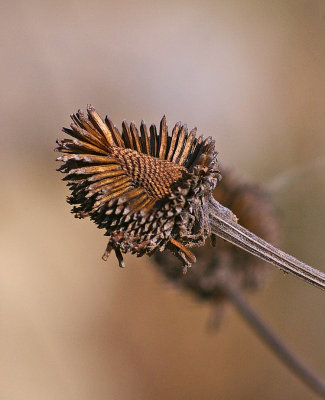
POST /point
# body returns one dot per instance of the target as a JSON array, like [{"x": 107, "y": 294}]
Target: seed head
[{"x": 148, "y": 190}]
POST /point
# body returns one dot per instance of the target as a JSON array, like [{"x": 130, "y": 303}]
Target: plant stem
[
  {"x": 224, "y": 224},
  {"x": 297, "y": 366}
]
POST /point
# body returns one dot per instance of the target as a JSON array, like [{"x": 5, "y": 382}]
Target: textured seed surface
[{"x": 153, "y": 174}]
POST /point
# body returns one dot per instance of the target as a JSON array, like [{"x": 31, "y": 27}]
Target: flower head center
[{"x": 156, "y": 176}]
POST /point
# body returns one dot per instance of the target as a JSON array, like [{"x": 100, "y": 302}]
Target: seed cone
[
  {"x": 148, "y": 190},
  {"x": 224, "y": 263}
]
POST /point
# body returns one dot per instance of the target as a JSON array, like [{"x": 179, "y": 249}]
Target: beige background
[{"x": 250, "y": 73}]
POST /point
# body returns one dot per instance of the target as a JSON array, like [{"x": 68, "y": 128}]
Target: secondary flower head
[{"x": 224, "y": 264}]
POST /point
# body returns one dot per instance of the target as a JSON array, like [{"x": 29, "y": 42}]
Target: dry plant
[{"x": 152, "y": 191}]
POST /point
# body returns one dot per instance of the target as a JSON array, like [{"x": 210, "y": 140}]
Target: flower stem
[
  {"x": 224, "y": 224},
  {"x": 297, "y": 366}
]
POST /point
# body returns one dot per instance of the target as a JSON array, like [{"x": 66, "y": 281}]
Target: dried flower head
[
  {"x": 224, "y": 263},
  {"x": 148, "y": 190},
  {"x": 152, "y": 191}
]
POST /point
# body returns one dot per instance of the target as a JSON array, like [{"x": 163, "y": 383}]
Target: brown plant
[{"x": 154, "y": 191}]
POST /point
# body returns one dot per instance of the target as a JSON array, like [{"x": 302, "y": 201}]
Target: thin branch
[{"x": 297, "y": 366}]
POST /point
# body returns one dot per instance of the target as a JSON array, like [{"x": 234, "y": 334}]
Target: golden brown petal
[
  {"x": 145, "y": 145},
  {"x": 163, "y": 137},
  {"x": 100, "y": 125},
  {"x": 153, "y": 140},
  {"x": 115, "y": 132},
  {"x": 126, "y": 135},
  {"x": 173, "y": 141},
  {"x": 135, "y": 137},
  {"x": 180, "y": 143}
]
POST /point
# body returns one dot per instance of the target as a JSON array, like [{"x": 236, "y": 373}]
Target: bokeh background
[{"x": 249, "y": 73}]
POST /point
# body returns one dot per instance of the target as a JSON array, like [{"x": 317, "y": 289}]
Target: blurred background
[{"x": 249, "y": 73}]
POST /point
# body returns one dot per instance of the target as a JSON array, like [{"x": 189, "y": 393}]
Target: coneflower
[{"x": 151, "y": 191}]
